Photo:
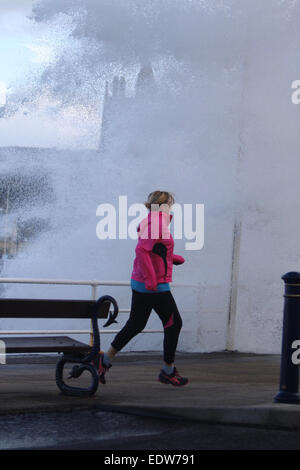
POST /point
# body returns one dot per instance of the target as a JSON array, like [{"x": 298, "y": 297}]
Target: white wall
[{"x": 269, "y": 186}]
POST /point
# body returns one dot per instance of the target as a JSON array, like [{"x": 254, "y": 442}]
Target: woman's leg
[
  {"x": 139, "y": 314},
  {"x": 141, "y": 307},
  {"x": 111, "y": 352},
  {"x": 166, "y": 308}
]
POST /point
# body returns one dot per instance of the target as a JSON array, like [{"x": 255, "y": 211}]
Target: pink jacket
[{"x": 154, "y": 251}]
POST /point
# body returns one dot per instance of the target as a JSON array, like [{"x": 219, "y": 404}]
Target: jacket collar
[{"x": 168, "y": 217}]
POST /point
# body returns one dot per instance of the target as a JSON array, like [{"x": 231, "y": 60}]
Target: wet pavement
[
  {"x": 92, "y": 430},
  {"x": 228, "y": 404}
]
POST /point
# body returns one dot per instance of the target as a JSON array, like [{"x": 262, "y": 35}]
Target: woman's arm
[{"x": 143, "y": 250}]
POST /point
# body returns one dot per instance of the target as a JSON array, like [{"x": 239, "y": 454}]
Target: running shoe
[
  {"x": 101, "y": 367},
  {"x": 173, "y": 379}
]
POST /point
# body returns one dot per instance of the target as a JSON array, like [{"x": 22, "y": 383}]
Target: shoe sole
[{"x": 102, "y": 379}]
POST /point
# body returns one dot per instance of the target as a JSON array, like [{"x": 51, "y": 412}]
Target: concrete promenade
[{"x": 224, "y": 387}]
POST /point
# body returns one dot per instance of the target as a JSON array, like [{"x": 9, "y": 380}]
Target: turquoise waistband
[{"x": 140, "y": 287}]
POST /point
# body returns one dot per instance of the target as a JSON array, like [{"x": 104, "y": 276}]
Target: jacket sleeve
[
  {"x": 177, "y": 259},
  {"x": 143, "y": 250}
]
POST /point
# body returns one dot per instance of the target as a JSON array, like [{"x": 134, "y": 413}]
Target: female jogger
[{"x": 152, "y": 272}]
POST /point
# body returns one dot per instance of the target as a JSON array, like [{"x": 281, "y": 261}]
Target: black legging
[{"x": 141, "y": 306}]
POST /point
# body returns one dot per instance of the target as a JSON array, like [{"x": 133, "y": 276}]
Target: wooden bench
[{"x": 83, "y": 355}]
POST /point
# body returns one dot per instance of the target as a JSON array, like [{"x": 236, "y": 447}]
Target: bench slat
[
  {"x": 63, "y": 344},
  {"x": 50, "y": 308}
]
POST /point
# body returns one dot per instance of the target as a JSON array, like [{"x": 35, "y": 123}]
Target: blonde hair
[{"x": 159, "y": 197}]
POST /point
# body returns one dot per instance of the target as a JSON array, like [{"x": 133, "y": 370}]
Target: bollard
[{"x": 290, "y": 350}]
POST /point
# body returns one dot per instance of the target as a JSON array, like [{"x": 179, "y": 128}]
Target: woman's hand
[{"x": 177, "y": 259}]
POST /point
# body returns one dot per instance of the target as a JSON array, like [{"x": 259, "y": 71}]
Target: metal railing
[{"x": 92, "y": 283}]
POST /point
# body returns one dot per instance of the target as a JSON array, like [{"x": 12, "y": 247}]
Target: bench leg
[
  {"x": 86, "y": 362},
  {"x": 76, "y": 372}
]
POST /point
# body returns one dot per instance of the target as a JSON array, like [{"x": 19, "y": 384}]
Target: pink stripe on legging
[{"x": 170, "y": 321}]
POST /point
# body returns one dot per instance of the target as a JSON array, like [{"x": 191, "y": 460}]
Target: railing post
[
  {"x": 290, "y": 350},
  {"x": 94, "y": 293}
]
